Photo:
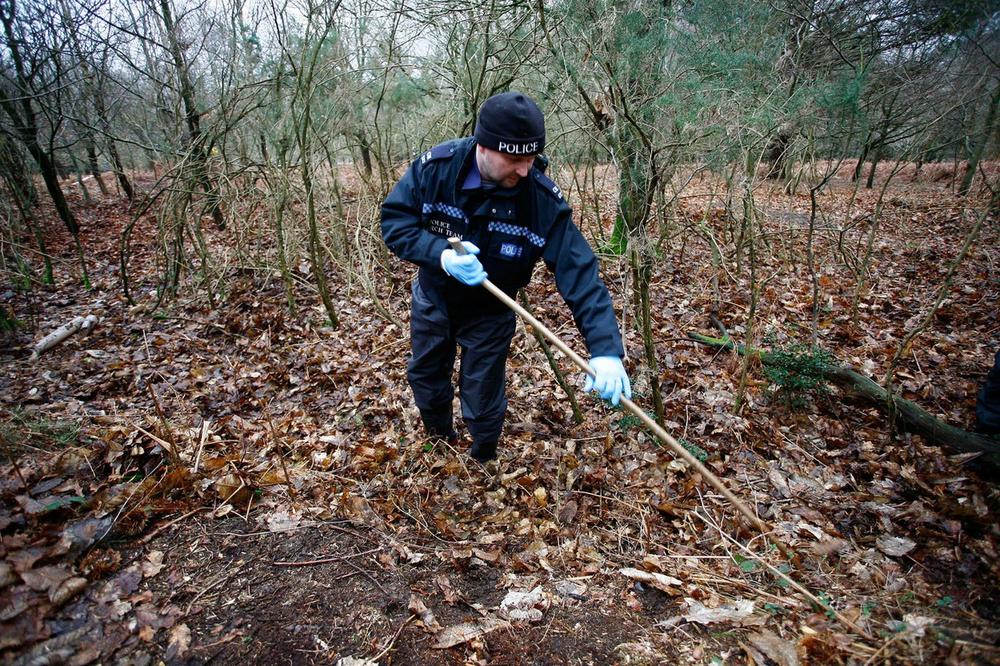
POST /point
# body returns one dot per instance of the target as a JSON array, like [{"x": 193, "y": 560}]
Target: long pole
[{"x": 635, "y": 410}]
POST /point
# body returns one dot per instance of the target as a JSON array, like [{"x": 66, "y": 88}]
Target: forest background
[{"x": 816, "y": 179}]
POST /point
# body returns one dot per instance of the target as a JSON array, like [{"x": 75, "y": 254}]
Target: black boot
[
  {"x": 438, "y": 425},
  {"x": 483, "y": 451},
  {"x": 450, "y": 437}
]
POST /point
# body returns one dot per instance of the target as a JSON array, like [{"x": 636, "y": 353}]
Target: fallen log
[
  {"x": 59, "y": 335},
  {"x": 909, "y": 414}
]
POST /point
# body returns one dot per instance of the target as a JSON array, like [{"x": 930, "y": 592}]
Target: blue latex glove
[
  {"x": 610, "y": 381},
  {"x": 463, "y": 267}
]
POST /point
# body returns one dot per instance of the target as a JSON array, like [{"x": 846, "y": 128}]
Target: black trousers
[
  {"x": 485, "y": 342},
  {"x": 988, "y": 401}
]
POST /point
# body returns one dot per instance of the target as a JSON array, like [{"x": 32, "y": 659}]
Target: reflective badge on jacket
[
  {"x": 515, "y": 230},
  {"x": 445, "y": 220},
  {"x": 510, "y": 250}
]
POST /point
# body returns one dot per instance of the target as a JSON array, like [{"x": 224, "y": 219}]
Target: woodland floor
[{"x": 276, "y": 502}]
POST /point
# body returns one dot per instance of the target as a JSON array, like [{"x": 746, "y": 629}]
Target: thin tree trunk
[
  {"x": 196, "y": 138},
  {"x": 870, "y": 183},
  {"x": 280, "y": 204},
  {"x": 749, "y": 223},
  {"x": 92, "y": 164},
  {"x": 27, "y": 127},
  {"x": 47, "y": 167},
  {"x": 119, "y": 168},
  {"x": 316, "y": 255},
  {"x": 984, "y": 138},
  {"x": 862, "y": 158},
  {"x": 643, "y": 262},
  {"x": 79, "y": 179},
  {"x": 25, "y": 198}
]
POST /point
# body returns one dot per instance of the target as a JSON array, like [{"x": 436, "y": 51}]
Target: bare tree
[{"x": 31, "y": 72}]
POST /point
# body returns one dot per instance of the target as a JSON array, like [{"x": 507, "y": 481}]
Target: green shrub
[
  {"x": 695, "y": 450},
  {"x": 798, "y": 373}
]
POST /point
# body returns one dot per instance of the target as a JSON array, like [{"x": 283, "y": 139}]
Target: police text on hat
[{"x": 511, "y": 123}]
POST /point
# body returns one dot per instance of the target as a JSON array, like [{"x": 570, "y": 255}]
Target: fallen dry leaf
[
  {"x": 153, "y": 564},
  {"x": 180, "y": 641},
  {"x": 894, "y": 546},
  {"x": 451, "y": 597},
  {"x": 45, "y": 578},
  {"x": 828, "y": 547},
  {"x": 424, "y": 614},
  {"x": 355, "y": 661},
  {"x": 467, "y": 631},
  {"x": 486, "y": 555},
  {"x": 737, "y": 611},
  {"x": 524, "y": 606},
  {"x": 24, "y": 560},
  {"x": 914, "y": 625},
  {"x": 778, "y": 650},
  {"x": 283, "y": 519},
  {"x": 571, "y": 588},
  {"x": 568, "y": 512},
  {"x": 66, "y": 590}
]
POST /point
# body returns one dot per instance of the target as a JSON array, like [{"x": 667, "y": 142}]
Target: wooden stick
[
  {"x": 636, "y": 411},
  {"x": 59, "y": 335}
]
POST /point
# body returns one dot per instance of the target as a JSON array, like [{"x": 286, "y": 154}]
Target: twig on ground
[
  {"x": 153, "y": 534},
  {"x": 201, "y": 444},
  {"x": 9, "y": 451},
  {"x": 871, "y": 659},
  {"x": 172, "y": 452},
  {"x": 795, "y": 603},
  {"x": 220, "y": 581},
  {"x": 366, "y": 575},
  {"x": 392, "y": 642},
  {"x": 324, "y": 560}
]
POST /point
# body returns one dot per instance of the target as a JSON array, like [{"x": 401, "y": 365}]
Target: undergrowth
[
  {"x": 798, "y": 373},
  {"x": 21, "y": 430}
]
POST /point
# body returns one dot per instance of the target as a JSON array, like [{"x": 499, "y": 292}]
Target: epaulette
[
  {"x": 438, "y": 152},
  {"x": 548, "y": 185}
]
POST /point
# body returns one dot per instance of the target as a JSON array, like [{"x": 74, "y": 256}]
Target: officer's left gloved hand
[
  {"x": 463, "y": 267},
  {"x": 610, "y": 380}
]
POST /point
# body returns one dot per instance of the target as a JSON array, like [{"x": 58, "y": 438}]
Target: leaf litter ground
[{"x": 238, "y": 483}]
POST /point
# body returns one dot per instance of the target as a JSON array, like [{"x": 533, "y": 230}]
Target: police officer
[
  {"x": 988, "y": 401},
  {"x": 491, "y": 191}
]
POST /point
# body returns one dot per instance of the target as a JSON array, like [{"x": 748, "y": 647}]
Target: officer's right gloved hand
[
  {"x": 463, "y": 267},
  {"x": 610, "y": 379}
]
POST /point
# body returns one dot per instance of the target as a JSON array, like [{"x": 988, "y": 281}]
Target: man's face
[{"x": 503, "y": 169}]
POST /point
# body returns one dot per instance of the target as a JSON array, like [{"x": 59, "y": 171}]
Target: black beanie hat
[{"x": 511, "y": 123}]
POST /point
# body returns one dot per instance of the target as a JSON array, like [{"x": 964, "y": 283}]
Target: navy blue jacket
[{"x": 513, "y": 229}]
